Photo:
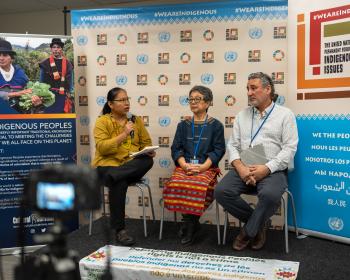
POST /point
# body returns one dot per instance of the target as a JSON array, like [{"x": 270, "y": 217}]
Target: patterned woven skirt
[{"x": 190, "y": 194}]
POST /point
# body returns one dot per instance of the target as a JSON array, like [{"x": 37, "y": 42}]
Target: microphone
[{"x": 131, "y": 118}]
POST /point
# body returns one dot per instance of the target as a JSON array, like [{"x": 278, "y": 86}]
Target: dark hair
[
  {"x": 111, "y": 95},
  {"x": 12, "y": 55},
  {"x": 265, "y": 80},
  {"x": 206, "y": 92}
]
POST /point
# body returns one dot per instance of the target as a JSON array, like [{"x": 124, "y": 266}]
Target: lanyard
[
  {"x": 256, "y": 133},
  {"x": 199, "y": 137}
]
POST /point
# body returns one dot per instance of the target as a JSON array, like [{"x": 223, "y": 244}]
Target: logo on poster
[
  {"x": 208, "y": 35},
  {"x": 336, "y": 223},
  {"x": 230, "y": 100},
  {"x": 229, "y": 121},
  {"x": 164, "y": 100},
  {"x": 255, "y": 33},
  {"x": 101, "y": 60},
  {"x": 85, "y": 159},
  {"x": 142, "y": 100},
  {"x": 230, "y": 78},
  {"x": 324, "y": 60},
  {"x": 142, "y": 80},
  {"x": 142, "y": 58},
  {"x": 163, "y": 58},
  {"x": 280, "y": 32},
  {"x": 208, "y": 57},
  {"x": 164, "y": 121},
  {"x": 83, "y": 100},
  {"x": 82, "y": 60},
  {"x": 101, "y": 100},
  {"x": 82, "y": 81},
  {"x": 121, "y": 80},
  {"x": 84, "y": 120},
  {"x": 164, "y": 142},
  {"x": 122, "y": 38},
  {"x": 145, "y": 120},
  {"x": 278, "y": 55},
  {"x": 142, "y": 37},
  {"x": 185, "y": 79},
  {"x": 183, "y": 100},
  {"x": 101, "y": 80},
  {"x": 231, "y": 34},
  {"x": 84, "y": 140},
  {"x": 186, "y": 36},
  {"x": 163, "y": 79},
  {"x": 280, "y": 100},
  {"x": 231, "y": 56},
  {"x": 102, "y": 39},
  {"x": 164, "y": 162},
  {"x": 277, "y": 77},
  {"x": 164, "y": 36},
  {"x": 254, "y": 56},
  {"x": 122, "y": 59},
  {"x": 185, "y": 57},
  {"x": 82, "y": 40},
  {"x": 207, "y": 78}
]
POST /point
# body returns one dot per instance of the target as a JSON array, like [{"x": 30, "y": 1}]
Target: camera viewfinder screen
[{"x": 55, "y": 196}]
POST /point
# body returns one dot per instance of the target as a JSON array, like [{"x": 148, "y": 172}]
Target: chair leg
[
  {"x": 103, "y": 200},
  {"x": 225, "y": 228},
  {"x": 294, "y": 212},
  {"x": 151, "y": 200},
  {"x": 285, "y": 209},
  {"x": 143, "y": 209},
  {"x": 161, "y": 221},
  {"x": 218, "y": 222},
  {"x": 90, "y": 222}
]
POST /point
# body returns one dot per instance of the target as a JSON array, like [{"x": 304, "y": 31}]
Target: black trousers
[{"x": 117, "y": 179}]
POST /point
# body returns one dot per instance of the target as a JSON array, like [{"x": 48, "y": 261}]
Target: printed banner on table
[
  {"x": 158, "y": 53},
  {"x": 31, "y": 134},
  {"x": 139, "y": 263},
  {"x": 319, "y": 63}
]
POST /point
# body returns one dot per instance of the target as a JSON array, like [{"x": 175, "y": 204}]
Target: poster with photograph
[{"x": 37, "y": 121}]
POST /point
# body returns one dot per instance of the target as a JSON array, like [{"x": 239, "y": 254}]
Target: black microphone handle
[{"x": 131, "y": 118}]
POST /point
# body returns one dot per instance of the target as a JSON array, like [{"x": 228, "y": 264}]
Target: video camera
[
  {"x": 60, "y": 189},
  {"x": 56, "y": 191}
]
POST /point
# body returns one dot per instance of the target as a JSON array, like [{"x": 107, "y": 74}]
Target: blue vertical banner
[
  {"x": 321, "y": 179},
  {"x": 36, "y": 130},
  {"x": 28, "y": 144}
]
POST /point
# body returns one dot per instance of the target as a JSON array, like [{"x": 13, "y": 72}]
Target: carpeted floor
[{"x": 319, "y": 259}]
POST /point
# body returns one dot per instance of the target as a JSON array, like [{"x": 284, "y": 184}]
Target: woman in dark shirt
[{"x": 197, "y": 148}]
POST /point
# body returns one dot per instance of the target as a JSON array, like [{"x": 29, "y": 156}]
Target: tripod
[{"x": 55, "y": 262}]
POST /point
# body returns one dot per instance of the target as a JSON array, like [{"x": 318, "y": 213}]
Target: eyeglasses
[
  {"x": 124, "y": 100},
  {"x": 194, "y": 100}
]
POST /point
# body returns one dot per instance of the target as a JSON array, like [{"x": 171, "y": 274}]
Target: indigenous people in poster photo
[
  {"x": 12, "y": 80},
  {"x": 117, "y": 134},
  {"x": 57, "y": 71},
  {"x": 261, "y": 148},
  {"x": 197, "y": 148}
]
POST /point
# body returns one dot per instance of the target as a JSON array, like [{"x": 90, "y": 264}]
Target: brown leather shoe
[
  {"x": 241, "y": 242},
  {"x": 259, "y": 240}
]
